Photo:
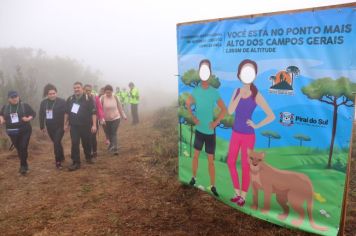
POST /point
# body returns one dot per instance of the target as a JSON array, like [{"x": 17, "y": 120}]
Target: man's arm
[
  {"x": 221, "y": 115},
  {"x": 94, "y": 128},
  {"x": 188, "y": 103}
]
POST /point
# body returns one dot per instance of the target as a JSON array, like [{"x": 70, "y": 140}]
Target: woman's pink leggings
[{"x": 240, "y": 141}]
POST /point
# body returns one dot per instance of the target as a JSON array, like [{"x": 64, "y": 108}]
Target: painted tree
[
  {"x": 270, "y": 135},
  {"x": 184, "y": 118},
  {"x": 227, "y": 122},
  {"x": 335, "y": 93},
  {"x": 191, "y": 79},
  {"x": 294, "y": 71},
  {"x": 301, "y": 138}
]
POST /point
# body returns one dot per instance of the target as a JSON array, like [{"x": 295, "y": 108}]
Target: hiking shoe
[
  {"x": 235, "y": 199},
  {"x": 116, "y": 153},
  {"x": 23, "y": 170},
  {"x": 192, "y": 181},
  {"x": 241, "y": 202},
  {"x": 74, "y": 166},
  {"x": 107, "y": 142},
  {"x": 59, "y": 165},
  {"x": 90, "y": 161},
  {"x": 213, "y": 190}
]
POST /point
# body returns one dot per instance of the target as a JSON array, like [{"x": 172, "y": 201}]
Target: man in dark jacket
[{"x": 80, "y": 115}]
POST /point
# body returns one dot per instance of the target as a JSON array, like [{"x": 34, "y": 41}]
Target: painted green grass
[{"x": 328, "y": 183}]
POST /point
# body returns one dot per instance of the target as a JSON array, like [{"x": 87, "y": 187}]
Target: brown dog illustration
[{"x": 290, "y": 188}]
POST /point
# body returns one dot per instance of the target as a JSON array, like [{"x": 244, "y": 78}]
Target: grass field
[{"x": 329, "y": 183}]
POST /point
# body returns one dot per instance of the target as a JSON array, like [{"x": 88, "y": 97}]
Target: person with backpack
[
  {"x": 112, "y": 114},
  {"x": 17, "y": 117},
  {"x": 80, "y": 116},
  {"x": 100, "y": 118},
  {"x": 51, "y": 117}
]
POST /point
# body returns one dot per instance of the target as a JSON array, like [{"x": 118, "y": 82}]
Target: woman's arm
[
  {"x": 99, "y": 108},
  {"x": 265, "y": 107},
  {"x": 30, "y": 114},
  {"x": 235, "y": 98}
]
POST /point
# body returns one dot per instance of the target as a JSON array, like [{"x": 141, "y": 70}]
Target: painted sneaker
[
  {"x": 235, "y": 199},
  {"x": 241, "y": 202},
  {"x": 213, "y": 190},
  {"x": 192, "y": 181}
]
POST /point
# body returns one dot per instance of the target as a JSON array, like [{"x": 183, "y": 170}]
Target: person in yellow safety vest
[
  {"x": 125, "y": 96},
  {"x": 117, "y": 93},
  {"x": 94, "y": 90},
  {"x": 134, "y": 101}
]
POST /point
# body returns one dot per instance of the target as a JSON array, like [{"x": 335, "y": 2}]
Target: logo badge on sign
[{"x": 286, "y": 118}]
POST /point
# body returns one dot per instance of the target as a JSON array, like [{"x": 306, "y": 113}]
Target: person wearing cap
[
  {"x": 134, "y": 101},
  {"x": 80, "y": 116},
  {"x": 51, "y": 117},
  {"x": 17, "y": 115}
]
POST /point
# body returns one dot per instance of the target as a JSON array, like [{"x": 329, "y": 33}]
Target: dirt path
[{"x": 135, "y": 193}]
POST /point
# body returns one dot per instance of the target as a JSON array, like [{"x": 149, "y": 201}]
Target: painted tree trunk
[
  {"x": 269, "y": 142},
  {"x": 333, "y": 133},
  {"x": 180, "y": 138},
  {"x": 191, "y": 140}
]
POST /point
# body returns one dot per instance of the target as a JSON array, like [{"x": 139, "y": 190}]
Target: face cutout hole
[
  {"x": 247, "y": 74},
  {"x": 204, "y": 72}
]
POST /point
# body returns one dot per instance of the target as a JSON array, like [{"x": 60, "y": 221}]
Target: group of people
[{"x": 82, "y": 114}]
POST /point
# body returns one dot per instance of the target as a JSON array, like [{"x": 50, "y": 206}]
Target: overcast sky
[{"x": 126, "y": 40}]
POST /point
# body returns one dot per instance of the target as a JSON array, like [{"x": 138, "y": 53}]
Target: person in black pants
[
  {"x": 17, "y": 116},
  {"x": 51, "y": 115},
  {"x": 99, "y": 115},
  {"x": 80, "y": 115}
]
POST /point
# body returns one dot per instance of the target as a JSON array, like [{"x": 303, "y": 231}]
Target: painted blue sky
[{"x": 314, "y": 62}]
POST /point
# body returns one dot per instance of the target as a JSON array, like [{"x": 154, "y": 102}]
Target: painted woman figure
[{"x": 243, "y": 103}]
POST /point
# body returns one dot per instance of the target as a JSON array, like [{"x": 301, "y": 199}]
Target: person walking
[
  {"x": 80, "y": 116},
  {"x": 112, "y": 114},
  {"x": 51, "y": 117},
  {"x": 100, "y": 118},
  {"x": 17, "y": 116},
  {"x": 134, "y": 101}
]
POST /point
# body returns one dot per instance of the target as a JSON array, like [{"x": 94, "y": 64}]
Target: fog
[{"x": 125, "y": 40}]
